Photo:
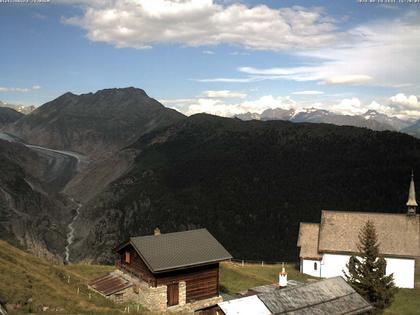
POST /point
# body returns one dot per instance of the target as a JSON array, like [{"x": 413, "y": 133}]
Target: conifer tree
[{"x": 366, "y": 271}]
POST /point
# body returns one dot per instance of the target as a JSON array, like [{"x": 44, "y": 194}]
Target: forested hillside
[{"x": 249, "y": 183}]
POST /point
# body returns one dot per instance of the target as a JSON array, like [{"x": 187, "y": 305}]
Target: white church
[{"x": 325, "y": 248}]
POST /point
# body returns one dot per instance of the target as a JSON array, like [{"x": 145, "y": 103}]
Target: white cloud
[
  {"x": 348, "y": 79},
  {"x": 230, "y": 80},
  {"x": 372, "y": 55},
  {"x": 399, "y": 105},
  {"x": 349, "y": 106},
  {"x": 239, "y": 53},
  {"x": 405, "y": 105},
  {"x": 365, "y": 55},
  {"x": 401, "y": 100},
  {"x": 224, "y": 94},
  {"x": 208, "y": 52},
  {"x": 143, "y": 23},
  {"x": 19, "y": 89},
  {"x": 217, "y": 106},
  {"x": 307, "y": 93}
]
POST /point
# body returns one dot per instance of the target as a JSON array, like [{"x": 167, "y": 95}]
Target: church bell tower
[{"x": 412, "y": 203}]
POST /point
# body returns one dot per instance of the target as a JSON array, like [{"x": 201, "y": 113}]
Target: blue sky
[{"x": 222, "y": 57}]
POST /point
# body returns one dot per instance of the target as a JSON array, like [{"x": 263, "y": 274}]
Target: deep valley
[{"x": 141, "y": 166}]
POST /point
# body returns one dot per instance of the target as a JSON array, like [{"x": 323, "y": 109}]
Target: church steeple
[{"x": 412, "y": 203}]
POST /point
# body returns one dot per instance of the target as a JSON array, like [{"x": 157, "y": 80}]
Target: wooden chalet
[{"x": 178, "y": 270}]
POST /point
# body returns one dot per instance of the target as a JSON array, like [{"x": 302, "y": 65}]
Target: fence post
[
  {"x": 262, "y": 263},
  {"x": 242, "y": 263}
]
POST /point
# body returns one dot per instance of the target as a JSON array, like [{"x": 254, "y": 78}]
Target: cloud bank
[
  {"x": 19, "y": 89},
  {"x": 144, "y": 23}
]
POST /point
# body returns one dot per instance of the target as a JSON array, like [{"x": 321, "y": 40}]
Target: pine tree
[{"x": 366, "y": 271}]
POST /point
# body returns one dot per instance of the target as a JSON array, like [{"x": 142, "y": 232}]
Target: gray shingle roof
[
  {"x": 398, "y": 234},
  {"x": 308, "y": 241},
  {"x": 329, "y": 296},
  {"x": 179, "y": 250}
]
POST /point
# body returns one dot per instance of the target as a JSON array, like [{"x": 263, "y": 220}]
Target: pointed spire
[{"x": 412, "y": 203}]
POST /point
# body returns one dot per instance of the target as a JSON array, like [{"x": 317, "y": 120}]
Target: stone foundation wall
[{"x": 155, "y": 298}]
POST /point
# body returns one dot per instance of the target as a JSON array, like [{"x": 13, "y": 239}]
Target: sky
[{"x": 218, "y": 56}]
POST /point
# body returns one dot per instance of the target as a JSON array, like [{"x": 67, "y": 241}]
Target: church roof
[
  {"x": 398, "y": 234},
  {"x": 308, "y": 241}
]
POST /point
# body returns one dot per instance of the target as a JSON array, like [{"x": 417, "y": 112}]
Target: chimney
[
  {"x": 157, "y": 231},
  {"x": 283, "y": 277}
]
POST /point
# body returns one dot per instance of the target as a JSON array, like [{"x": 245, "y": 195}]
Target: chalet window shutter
[{"x": 127, "y": 257}]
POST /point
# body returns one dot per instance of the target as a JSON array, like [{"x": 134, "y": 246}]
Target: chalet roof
[
  {"x": 171, "y": 251},
  {"x": 398, "y": 234},
  {"x": 308, "y": 240},
  {"x": 329, "y": 296}
]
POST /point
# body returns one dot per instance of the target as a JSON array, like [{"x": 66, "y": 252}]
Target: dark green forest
[{"x": 251, "y": 183}]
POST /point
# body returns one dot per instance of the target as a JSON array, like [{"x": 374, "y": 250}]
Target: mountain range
[
  {"x": 371, "y": 119},
  {"x": 141, "y": 165},
  {"x": 24, "y": 109}
]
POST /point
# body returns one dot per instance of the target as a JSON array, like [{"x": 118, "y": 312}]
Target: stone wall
[
  {"x": 182, "y": 293},
  {"x": 155, "y": 298}
]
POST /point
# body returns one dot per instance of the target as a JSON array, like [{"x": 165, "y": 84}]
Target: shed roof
[
  {"x": 308, "y": 240},
  {"x": 329, "y": 296},
  {"x": 398, "y": 234},
  {"x": 110, "y": 284},
  {"x": 250, "y": 305},
  {"x": 179, "y": 250}
]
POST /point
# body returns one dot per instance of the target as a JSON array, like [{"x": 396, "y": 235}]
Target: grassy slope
[
  {"x": 23, "y": 276},
  {"x": 235, "y": 278}
]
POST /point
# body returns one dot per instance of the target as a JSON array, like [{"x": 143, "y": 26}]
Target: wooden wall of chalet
[
  {"x": 136, "y": 266},
  {"x": 201, "y": 282}
]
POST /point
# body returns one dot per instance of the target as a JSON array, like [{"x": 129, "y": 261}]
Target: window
[
  {"x": 127, "y": 257},
  {"x": 315, "y": 266}
]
